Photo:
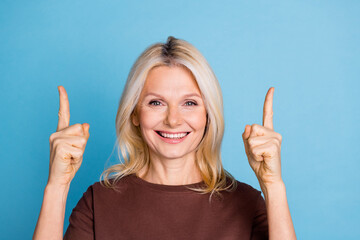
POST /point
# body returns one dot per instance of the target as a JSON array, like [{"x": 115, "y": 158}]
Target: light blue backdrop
[{"x": 307, "y": 50}]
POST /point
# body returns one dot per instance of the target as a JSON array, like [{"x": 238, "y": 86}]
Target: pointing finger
[
  {"x": 64, "y": 110},
  {"x": 268, "y": 109}
]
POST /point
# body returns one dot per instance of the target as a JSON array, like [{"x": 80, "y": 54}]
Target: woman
[{"x": 171, "y": 184}]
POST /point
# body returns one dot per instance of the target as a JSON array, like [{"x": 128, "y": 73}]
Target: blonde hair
[{"x": 134, "y": 150}]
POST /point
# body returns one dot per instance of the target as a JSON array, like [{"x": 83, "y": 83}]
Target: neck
[{"x": 181, "y": 171}]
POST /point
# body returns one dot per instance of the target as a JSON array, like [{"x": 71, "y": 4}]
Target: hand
[
  {"x": 67, "y": 145},
  {"x": 263, "y": 146}
]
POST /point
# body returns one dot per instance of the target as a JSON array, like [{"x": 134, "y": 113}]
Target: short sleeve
[
  {"x": 81, "y": 221},
  {"x": 260, "y": 229}
]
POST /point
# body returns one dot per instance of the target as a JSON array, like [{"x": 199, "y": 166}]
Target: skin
[
  {"x": 263, "y": 147},
  {"x": 170, "y": 164},
  {"x": 164, "y": 106},
  {"x": 67, "y": 146}
]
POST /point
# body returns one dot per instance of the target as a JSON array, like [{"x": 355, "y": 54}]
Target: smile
[{"x": 172, "y": 137}]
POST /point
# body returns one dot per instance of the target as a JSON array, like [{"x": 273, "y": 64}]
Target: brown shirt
[{"x": 144, "y": 210}]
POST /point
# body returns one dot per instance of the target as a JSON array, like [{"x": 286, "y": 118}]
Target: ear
[{"x": 135, "y": 118}]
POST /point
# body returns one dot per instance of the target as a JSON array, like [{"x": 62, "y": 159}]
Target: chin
[{"x": 174, "y": 154}]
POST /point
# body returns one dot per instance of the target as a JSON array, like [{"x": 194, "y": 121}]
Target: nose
[{"x": 173, "y": 117}]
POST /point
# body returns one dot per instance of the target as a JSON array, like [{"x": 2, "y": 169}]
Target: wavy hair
[{"x": 133, "y": 148}]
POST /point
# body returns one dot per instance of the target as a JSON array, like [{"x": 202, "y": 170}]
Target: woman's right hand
[{"x": 67, "y": 145}]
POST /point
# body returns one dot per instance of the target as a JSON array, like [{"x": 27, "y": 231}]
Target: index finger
[
  {"x": 268, "y": 109},
  {"x": 64, "y": 110}
]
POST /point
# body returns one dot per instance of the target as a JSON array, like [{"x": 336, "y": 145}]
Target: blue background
[{"x": 307, "y": 50}]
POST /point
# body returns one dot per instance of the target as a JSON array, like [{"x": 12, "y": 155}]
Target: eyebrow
[{"x": 186, "y": 95}]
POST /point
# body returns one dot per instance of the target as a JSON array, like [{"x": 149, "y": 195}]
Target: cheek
[
  {"x": 197, "y": 120},
  {"x": 149, "y": 119}
]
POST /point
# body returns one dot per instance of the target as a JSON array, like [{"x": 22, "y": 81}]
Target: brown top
[{"x": 144, "y": 210}]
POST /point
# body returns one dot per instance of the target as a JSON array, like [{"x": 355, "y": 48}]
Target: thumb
[
  {"x": 245, "y": 137},
  {"x": 86, "y": 128},
  {"x": 246, "y": 133}
]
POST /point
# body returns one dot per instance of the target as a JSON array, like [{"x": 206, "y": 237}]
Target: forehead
[{"x": 174, "y": 78}]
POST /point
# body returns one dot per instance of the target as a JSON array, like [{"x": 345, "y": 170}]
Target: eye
[
  {"x": 154, "y": 103},
  {"x": 190, "y": 103}
]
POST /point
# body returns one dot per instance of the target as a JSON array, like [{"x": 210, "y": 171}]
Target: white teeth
[{"x": 178, "y": 135}]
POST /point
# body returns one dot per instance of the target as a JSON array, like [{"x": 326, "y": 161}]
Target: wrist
[
  {"x": 274, "y": 184},
  {"x": 60, "y": 185},
  {"x": 57, "y": 190},
  {"x": 273, "y": 189}
]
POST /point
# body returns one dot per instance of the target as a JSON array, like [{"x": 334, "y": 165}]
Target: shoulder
[
  {"x": 244, "y": 192},
  {"x": 246, "y": 188},
  {"x": 241, "y": 187},
  {"x": 100, "y": 188}
]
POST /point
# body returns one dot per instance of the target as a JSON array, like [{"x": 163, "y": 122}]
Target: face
[{"x": 171, "y": 113}]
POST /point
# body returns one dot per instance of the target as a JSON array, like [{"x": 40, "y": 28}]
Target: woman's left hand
[{"x": 263, "y": 146}]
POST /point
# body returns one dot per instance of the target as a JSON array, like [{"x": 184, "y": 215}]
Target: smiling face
[{"x": 171, "y": 113}]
